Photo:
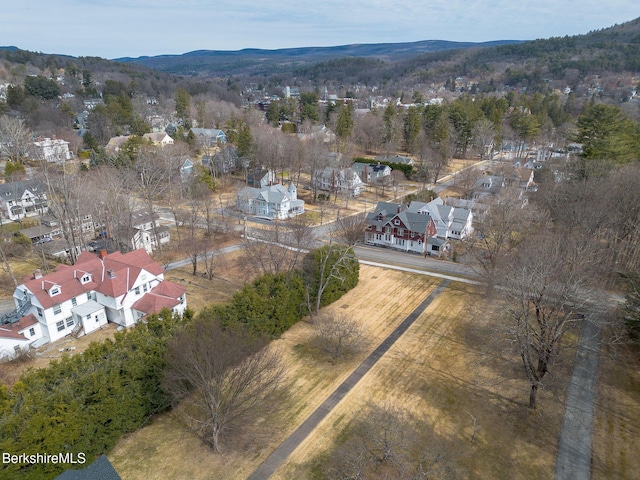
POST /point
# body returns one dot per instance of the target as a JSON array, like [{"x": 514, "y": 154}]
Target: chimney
[
  {"x": 37, "y": 273},
  {"x": 102, "y": 254}
]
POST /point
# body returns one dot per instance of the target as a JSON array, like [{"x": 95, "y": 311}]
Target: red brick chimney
[{"x": 102, "y": 254}]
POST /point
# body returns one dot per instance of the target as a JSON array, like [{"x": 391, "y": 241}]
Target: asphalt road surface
[{"x": 573, "y": 458}]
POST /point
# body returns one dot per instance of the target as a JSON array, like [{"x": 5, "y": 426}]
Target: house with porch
[
  {"x": 82, "y": 298},
  {"x": 339, "y": 180},
  {"x": 273, "y": 201},
  {"x": 451, "y": 222},
  {"x": 393, "y": 225},
  {"x": 22, "y": 199}
]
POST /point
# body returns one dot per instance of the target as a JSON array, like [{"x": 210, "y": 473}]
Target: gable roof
[
  {"x": 164, "y": 295},
  {"x": 112, "y": 276},
  {"x": 15, "y": 190},
  {"x": 14, "y": 330}
]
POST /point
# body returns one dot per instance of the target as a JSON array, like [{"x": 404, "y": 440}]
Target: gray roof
[
  {"x": 15, "y": 190},
  {"x": 100, "y": 469},
  {"x": 416, "y": 222}
]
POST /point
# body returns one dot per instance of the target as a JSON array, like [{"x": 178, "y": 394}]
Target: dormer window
[
  {"x": 55, "y": 290},
  {"x": 86, "y": 278}
]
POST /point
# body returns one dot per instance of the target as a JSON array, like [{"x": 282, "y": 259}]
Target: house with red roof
[
  {"x": 15, "y": 338},
  {"x": 99, "y": 288}
]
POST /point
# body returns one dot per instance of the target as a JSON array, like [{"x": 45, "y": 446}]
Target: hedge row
[{"x": 85, "y": 403}]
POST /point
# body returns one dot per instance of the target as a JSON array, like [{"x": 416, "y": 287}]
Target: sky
[{"x": 133, "y": 28}]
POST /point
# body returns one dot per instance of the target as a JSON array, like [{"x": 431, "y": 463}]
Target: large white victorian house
[
  {"x": 273, "y": 201},
  {"x": 81, "y": 298}
]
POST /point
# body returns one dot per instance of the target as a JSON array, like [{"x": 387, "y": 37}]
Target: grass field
[
  {"x": 381, "y": 300},
  {"x": 437, "y": 373},
  {"x": 440, "y": 370},
  {"x": 616, "y": 439}
]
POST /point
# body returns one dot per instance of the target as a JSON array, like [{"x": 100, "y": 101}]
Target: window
[
  {"x": 54, "y": 291},
  {"x": 88, "y": 295},
  {"x": 144, "y": 287},
  {"x": 74, "y": 302},
  {"x": 39, "y": 311},
  {"x": 60, "y": 325},
  {"x": 57, "y": 309},
  {"x": 396, "y": 222},
  {"x": 32, "y": 332},
  {"x": 16, "y": 348},
  {"x": 137, "y": 290},
  {"x": 70, "y": 322}
]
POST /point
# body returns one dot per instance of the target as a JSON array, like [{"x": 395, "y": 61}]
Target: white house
[
  {"x": 22, "y": 199},
  {"x": 261, "y": 177},
  {"x": 52, "y": 150},
  {"x": 15, "y": 338},
  {"x": 273, "y": 201},
  {"x": 341, "y": 180},
  {"x": 81, "y": 298},
  {"x": 142, "y": 235}
]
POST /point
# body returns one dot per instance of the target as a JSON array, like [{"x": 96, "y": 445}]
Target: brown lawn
[
  {"x": 438, "y": 373},
  {"x": 380, "y": 301},
  {"x": 616, "y": 440},
  {"x": 441, "y": 370}
]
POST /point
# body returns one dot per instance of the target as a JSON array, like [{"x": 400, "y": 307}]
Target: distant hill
[{"x": 253, "y": 61}]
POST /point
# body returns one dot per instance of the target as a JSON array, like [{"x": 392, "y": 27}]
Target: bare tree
[
  {"x": 15, "y": 139},
  {"x": 153, "y": 181},
  {"x": 338, "y": 335},
  {"x": 350, "y": 229},
  {"x": 222, "y": 381},
  {"x": 68, "y": 204},
  {"x": 266, "y": 253},
  {"x": 545, "y": 289},
  {"x": 332, "y": 268},
  {"x": 507, "y": 221},
  {"x": 385, "y": 441}
]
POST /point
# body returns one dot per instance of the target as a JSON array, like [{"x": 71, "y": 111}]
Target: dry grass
[
  {"x": 439, "y": 370},
  {"x": 438, "y": 374},
  {"x": 616, "y": 440},
  {"x": 370, "y": 303}
]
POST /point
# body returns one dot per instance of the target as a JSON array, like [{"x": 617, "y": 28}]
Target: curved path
[
  {"x": 573, "y": 458},
  {"x": 280, "y": 454}
]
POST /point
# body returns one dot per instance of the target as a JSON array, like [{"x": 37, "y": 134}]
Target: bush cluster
[{"x": 85, "y": 403}]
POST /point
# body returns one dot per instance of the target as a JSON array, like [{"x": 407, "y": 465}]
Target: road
[
  {"x": 573, "y": 457},
  {"x": 282, "y": 452},
  {"x": 415, "y": 261}
]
